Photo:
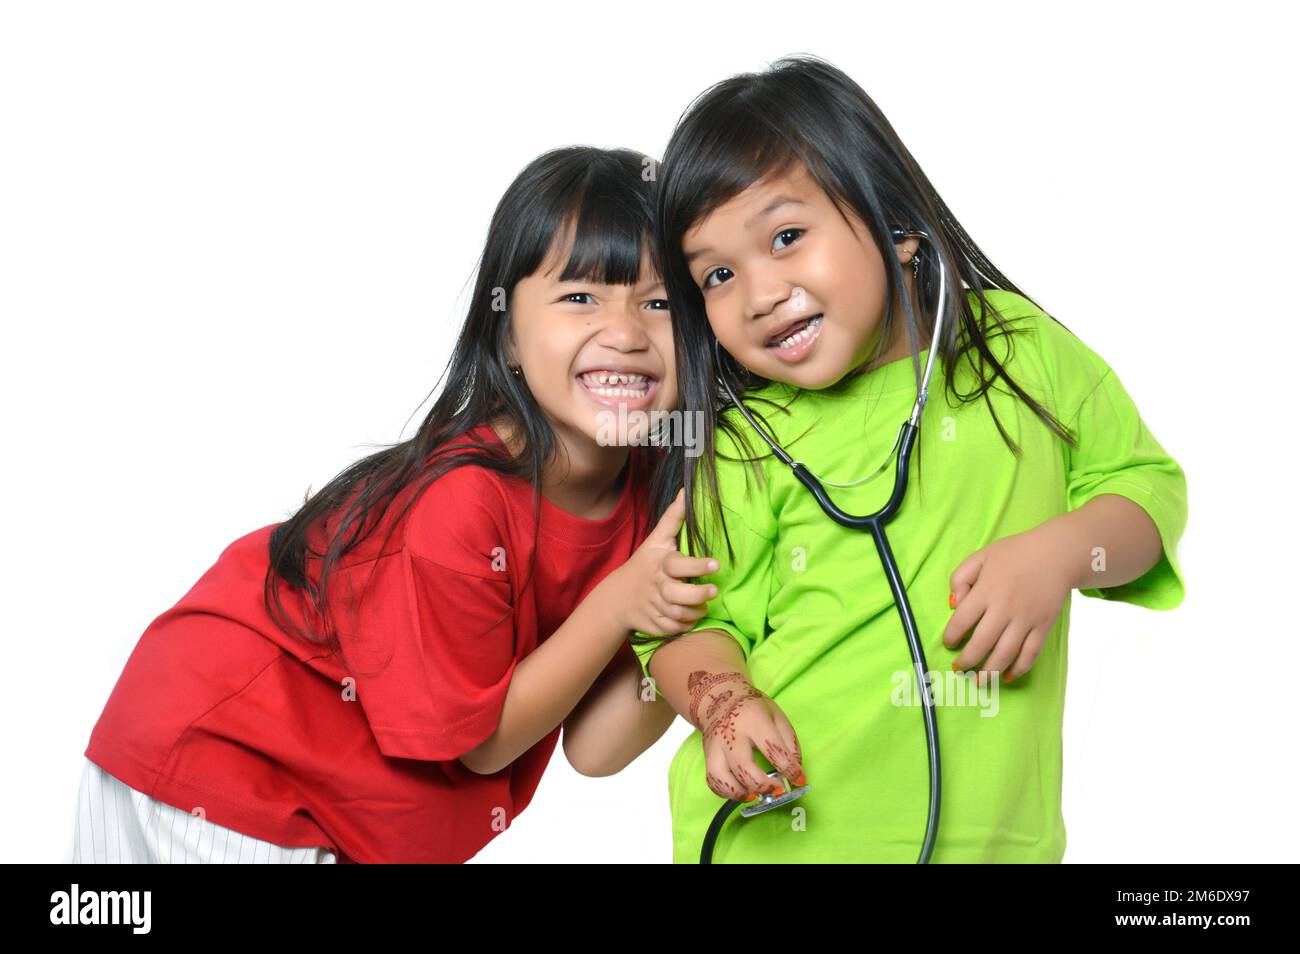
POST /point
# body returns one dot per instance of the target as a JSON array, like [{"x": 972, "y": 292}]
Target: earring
[
  {"x": 916, "y": 263},
  {"x": 515, "y": 372}
]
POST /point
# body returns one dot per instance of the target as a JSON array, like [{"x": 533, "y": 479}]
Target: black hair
[
  {"x": 604, "y": 199},
  {"x": 755, "y": 125}
]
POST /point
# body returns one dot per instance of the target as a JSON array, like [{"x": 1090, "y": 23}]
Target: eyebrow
[
  {"x": 771, "y": 207},
  {"x": 646, "y": 286}
]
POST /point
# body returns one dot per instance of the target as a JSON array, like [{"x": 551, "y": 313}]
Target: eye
[
  {"x": 795, "y": 232},
  {"x": 658, "y": 301},
  {"x": 712, "y": 273},
  {"x": 577, "y": 295}
]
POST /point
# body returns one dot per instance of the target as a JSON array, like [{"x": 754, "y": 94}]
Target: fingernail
[
  {"x": 1006, "y": 677},
  {"x": 752, "y": 796},
  {"x": 779, "y": 791},
  {"x": 713, "y": 564},
  {"x": 801, "y": 780},
  {"x": 952, "y": 600},
  {"x": 954, "y": 666}
]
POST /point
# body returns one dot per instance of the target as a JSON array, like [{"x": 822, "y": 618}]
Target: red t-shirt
[{"x": 280, "y": 739}]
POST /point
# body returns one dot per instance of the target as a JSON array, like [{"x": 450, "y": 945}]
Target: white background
[{"x": 236, "y": 240}]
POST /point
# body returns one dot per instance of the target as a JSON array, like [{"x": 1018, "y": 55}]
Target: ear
[
  {"x": 907, "y": 248},
  {"x": 511, "y": 359}
]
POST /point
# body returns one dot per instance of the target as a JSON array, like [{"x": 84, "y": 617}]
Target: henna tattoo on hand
[
  {"x": 725, "y": 789},
  {"x": 724, "y": 707},
  {"x": 718, "y": 700},
  {"x": 725, "y": 724},
  {"x": 776, "y": 754},
  {"x": 698, "y": 685}
]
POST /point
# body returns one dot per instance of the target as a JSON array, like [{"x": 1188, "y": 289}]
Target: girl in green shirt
[{"x": 1034, "y": 475}]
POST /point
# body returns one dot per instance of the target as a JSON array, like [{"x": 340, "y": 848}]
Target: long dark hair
[
  {"x": 804, "y": 110},
  {"x": 606, "y": 196}
]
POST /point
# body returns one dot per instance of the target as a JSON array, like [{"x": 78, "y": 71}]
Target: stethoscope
[{"x": 875, "y": 524}]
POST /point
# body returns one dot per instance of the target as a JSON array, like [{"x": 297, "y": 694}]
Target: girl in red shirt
[{"x": 384, "y": 676}]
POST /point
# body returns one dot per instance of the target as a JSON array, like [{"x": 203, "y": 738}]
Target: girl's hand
[
  {"x": 735, "y": 718},
  {"x": 651, "y": 596},
  {"x": 1014, "y": 589}
]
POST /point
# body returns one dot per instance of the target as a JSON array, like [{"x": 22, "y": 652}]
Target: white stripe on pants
[{"x": 117, "y": 824}]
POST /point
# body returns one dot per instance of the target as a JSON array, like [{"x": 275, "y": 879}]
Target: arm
[
  {"x": 612, "y": 725},
  {"x": 548, "y": 683},
  {"x": 1116, "y": 457},
  {"x": 703, "y": 674},
  {"x": 551, "y": 680},
  {"x": 1008, "y": 595},
  {"x": 1108, "y": 541},
  {"x": 710, "y": 651}
]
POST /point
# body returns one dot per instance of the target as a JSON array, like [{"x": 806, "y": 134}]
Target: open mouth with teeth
[
  {"x": 612, "y": 384},
  {"x": 614, "y": 388},
  {"x": 797, "y": 335}
]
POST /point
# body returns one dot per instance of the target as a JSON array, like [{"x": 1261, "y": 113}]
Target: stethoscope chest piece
[{"x": 766, "y": 803}]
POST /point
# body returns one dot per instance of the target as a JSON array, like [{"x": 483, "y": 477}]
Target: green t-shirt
[{"x": 808, "y": 602}]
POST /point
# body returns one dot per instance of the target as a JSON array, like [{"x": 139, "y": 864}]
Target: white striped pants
[{"x": 118, "y": 825}]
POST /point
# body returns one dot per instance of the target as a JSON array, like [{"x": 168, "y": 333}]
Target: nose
[
  {"x": 625, "y": 327},
  {"x": 765, "y": 291}
]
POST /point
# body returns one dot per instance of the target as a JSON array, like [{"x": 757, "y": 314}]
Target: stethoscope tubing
[{"x": 875, "y": 524}]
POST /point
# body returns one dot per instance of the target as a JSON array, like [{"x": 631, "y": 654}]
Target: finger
[
  {"x": 963, "y": 619},
  {"x": 671, "y": 521},
  {"x": 678, "y": 627},
  {"x": 1034, "y": 643},
  {"x": 987, "y": 632},
  {"x": 747, "y": 771},
  {"x": 685, "y": 616},
  {"x": 964, "y": 577},
  {"x": 1005, "y": 651},
  {"x": 783, "y": 750},
  {"x": 678, "y": 612},
  {"x": 687, "y": 594},
  {"x": 685, "y": 567},
  {"x": 794, "y": 738},
  {"x": 670, "y": 627},
  {"x": 723, "y": 784},
  {"x": 720, "y": 777}
]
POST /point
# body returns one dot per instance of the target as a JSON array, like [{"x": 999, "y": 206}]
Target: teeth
[
  {"x": 804, "y": 335},
  {"x": 607, "y": 384},
  {"x": 608, "y": 377}
]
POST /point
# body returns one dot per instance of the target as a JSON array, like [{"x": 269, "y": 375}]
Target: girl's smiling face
[
  {"x": 570, "y": 338},
  {"x": 779, "y": 260}
]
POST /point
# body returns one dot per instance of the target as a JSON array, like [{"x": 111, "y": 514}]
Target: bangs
[
  {"x": 607, "y": 244},
  {"x": 598, "y": 217},
  {"x": 718, "y": 153}
]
